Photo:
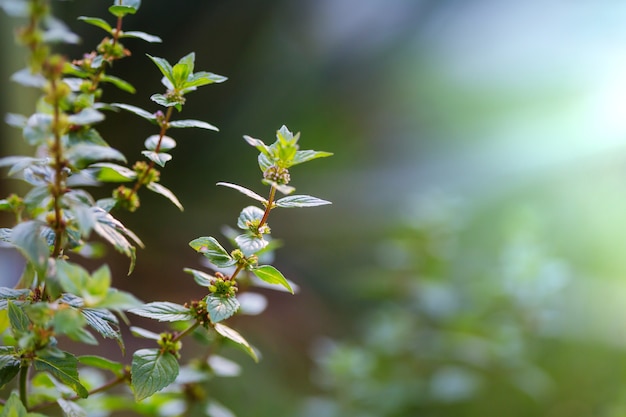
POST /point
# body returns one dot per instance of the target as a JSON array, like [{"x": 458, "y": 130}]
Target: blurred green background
[{"x": 472, "y": 262}]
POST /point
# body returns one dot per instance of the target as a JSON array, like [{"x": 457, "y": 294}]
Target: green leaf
[
  {"x": 203, "y": 78},
  {"x": 202, "y": 278},
  {"x": 304, "y": 156},
  {"x": 249, "y": 215},
  {"x": 181, "y": 72},
  {"x": 167, "y": 101},
  {"x": 115, "y": 233},
  {"x": 72, "y": 277},
  {"x": 164, "y": 67},
  {"x": 18, "y": 319},
  {"x": 119, "y": 83},
  {"x": 163, "y": 311},
  {"x": 244, "y": 190},
  {"x": 26, "y": 237},
  {"x": 188, "y": 61},
  {"x": 167, "y": 143},
  {"x": 301, "y": 201},
  {"x": 165, "y": 192},
  {"x": 7, "y": 293},
  {"x": 221, "y": 308},
  {"x": 109, "y": 172},
  {"x": 193, "y": 123},
  {"x": 158, "y": 158},
  {"x": 71, "y": 409},
  {"x": 211, "y": 249},
  {"x": 141, "y": 35},
  {"x": 96, "y": 21},
  {"x": 82, "y": 155},
  {"x": 258, "y": 143},
  {"x": 121, "y": 11},
  {"x": 234, "y": 336},
  {"x": 250, "y": 244},
  {"x": 151, "y": 371},
  {"x": 14, "y": 407},
  {"x": 102, "y": 363},
  {"x": 9, "y": 367},
  {"x": 64, "y": 368},
  {"x": 271, "y": 275},
  {"x": 136, "y": 110},
  {"x": 102, "y": 321},
  {"x": 86, "y": 116}
]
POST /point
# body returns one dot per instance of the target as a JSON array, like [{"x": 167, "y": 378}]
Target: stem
[
  {"x": 104, "y": 387},
  {"x": 268, "y": 207},
  {"x": 59, "y": 178},
  {"x": 24, "y": 383},
  {"x": 164, "y": 126},
  {"x": 186, "y": 332},
  {"x": 239, "y": 268}
]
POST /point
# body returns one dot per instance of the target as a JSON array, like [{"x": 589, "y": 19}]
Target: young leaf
[
  {"x": 64, "y": 368},
  {"x": 151, "y": 371},
  {"x": 121, "y": 11},
  {"x": 221, "y": 308},
  {"x": 164, "y": 67},
  {"x": 271, "y": 275},
  {"x": 301, "y": 201},
  {"x": 202, "y": 278},
  {"x": 244, "y": 190},
  {"x": 165, "y": 192},
  {"x": 234, "y": 336},
  {"x": 210, "y": 248},
  {"x": 141, "y": 35},
  {"x": 158, "y": 158},
  {"x": 166, "y": 101},
  {"x": 193, "y": 123},
  {"x": 283, "y": 188},
  {"x": 203, "y": 78},
  {"x": 258, "y": 143},
  {"x": 96, "y": 21},
  {"x": 304, "y": 156},
  {"x": 163, "y": 311},
  {"x": 249, "y": 215}
]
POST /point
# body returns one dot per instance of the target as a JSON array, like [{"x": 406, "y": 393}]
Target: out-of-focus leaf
[
  {"x": 244, "y": 190},
  {"x": 193, "y": 123},
  {"x": 160, "y": 158},
  {"x": 27, "y": 238},
  {"x": 96, "y": 21},
  {"x": 119, "y": 83},
  {"x": 202, "y": 278},
  {"x": 167, "y": 143},
  {"x": 165, "y": 192},
  {"x": 141, "y": 35},
  {"x": 234, "y": 336}
]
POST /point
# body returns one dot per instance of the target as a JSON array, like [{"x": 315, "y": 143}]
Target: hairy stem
[
  {"x": 59, "y": 178},
  {"x": 164, "y": 127},
  {"x": 268, "y": 207}
]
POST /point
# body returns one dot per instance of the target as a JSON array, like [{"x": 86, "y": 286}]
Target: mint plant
[{"x": 55, "y": 224}]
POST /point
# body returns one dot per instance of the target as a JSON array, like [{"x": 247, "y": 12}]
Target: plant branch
[
  {"x": 268, "y": 207},
  {"x": 106, "y": 386},
  {"x": 59, "y": 183},
  {"x": 186, "y": 331}
]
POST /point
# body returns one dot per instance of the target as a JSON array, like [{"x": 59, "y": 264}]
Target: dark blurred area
[{"x": 472, "y": 261}]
